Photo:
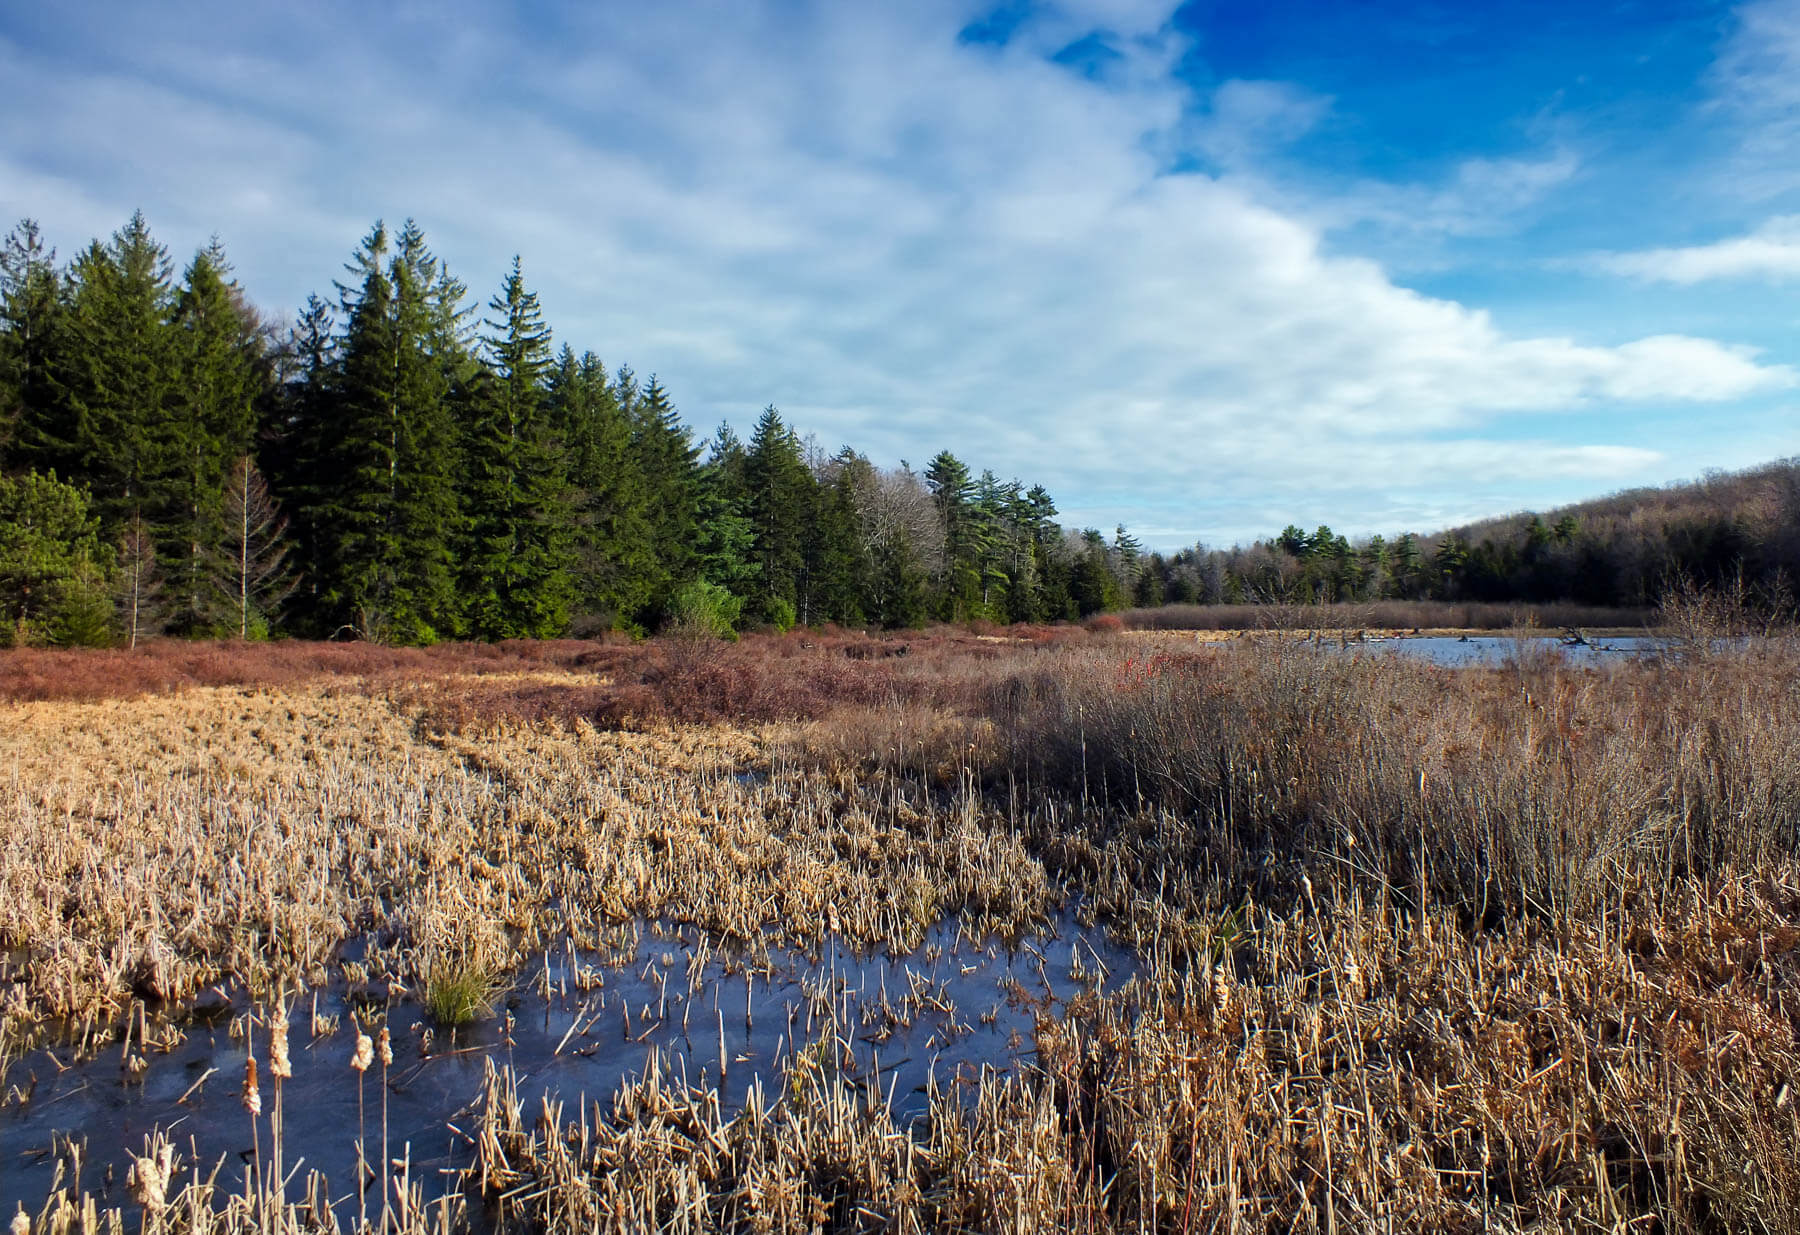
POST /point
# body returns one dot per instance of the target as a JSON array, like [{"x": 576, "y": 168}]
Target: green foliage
[
  {"x": 31, "y": 310},
  {"x": 516, "y": 568},
  {"x": 53, "y": 572},
  {"x": 389, "y": 511},
  {"x": 421, "y": 486},
  {"x": 705, "y": 610},
  {"x": 781, "y": 501},
  {"x": 779, "y": 613},
  {"x": 216, "y": 342}
]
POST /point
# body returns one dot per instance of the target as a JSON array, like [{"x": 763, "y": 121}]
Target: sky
[{"x": 1204, "y": 269}]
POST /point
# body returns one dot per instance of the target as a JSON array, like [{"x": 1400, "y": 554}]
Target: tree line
[
  {"x": 404, "y": 465},
  {"x": 1621, "y": 551}
]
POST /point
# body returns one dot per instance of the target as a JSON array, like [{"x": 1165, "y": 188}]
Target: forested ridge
[
  {"x": 407, "y": 463},
  {"x": 1737, "y": 530}
]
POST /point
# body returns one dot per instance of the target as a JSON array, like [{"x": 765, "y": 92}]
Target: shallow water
[
  {"x": 577, "y": 1025},
  {"x": 1498, "y": 649}
]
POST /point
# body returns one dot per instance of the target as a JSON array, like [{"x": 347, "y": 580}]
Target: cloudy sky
[{"x": 1206, "y": 269}]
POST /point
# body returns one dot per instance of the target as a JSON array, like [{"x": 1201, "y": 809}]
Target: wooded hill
[{"x": 1620, "y": 551}]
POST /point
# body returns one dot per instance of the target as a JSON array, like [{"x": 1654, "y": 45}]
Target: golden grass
[{"x": 1423, "y": 950}]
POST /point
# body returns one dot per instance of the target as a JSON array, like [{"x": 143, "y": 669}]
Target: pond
[
  {"x": 576, "y": 1026},
  {"x": 1498, "y": 649}
]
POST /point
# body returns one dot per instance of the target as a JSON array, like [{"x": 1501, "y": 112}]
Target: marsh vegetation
[{"x": 1034, "y": 929}]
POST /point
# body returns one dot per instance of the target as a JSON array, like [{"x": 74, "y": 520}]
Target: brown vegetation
[{"x": 1424, "y": 949}]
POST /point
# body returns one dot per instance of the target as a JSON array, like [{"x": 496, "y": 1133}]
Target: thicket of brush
[{"x": 1424, "y": 949}]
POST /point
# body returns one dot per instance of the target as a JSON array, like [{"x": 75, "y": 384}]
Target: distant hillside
[{"x": 1622, "y": 550}]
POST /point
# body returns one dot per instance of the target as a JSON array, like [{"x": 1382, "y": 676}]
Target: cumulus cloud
[
  {"x": 1770, "y": 252},
  {"x": 905, "y": 240}
]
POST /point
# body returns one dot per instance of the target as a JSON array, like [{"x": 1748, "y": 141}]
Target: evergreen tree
[
  {"x": 668, "y": 458},
  {"x": 30, "y": 316},
  {"x": 223, "y": 370},
  {"x": 780, "y": 506},
  {"x": 948, "y": 479},
  {"x": 517, "y": 567},
  {"x": 612, "y": 550},
  {"x": 391, "y": 507},
  {"x": 53, "y": 573},
  {"x": 113, "y": 370},
  {"x": 297, "y": 451},
  {"x": 725, "y": 551}
]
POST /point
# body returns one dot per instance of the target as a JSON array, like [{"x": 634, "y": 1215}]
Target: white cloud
[
  {"x": 1757, "y": 82},
  {"x": 904, "y": 242},
  {"x": 1771, "y": 252}
]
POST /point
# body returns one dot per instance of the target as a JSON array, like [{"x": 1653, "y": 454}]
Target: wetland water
[
  {"x": 1497, "y": 649},
  {"x": 576, "y": 1026}
]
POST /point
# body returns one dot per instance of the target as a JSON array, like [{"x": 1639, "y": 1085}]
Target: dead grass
[{"x": 1423, "y": 949}]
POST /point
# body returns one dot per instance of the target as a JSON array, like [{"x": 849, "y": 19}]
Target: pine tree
[
  {"x": 669, "y": 461},
  {"x": 297, "y": 450},
  {"x": 781, "y": 500},
  {"x": 53, "y": 572},
  {"x": 391, "y": 511},
  {"x": 951, "y": 488},
  {"x": 725, "y": 547},
  {"x": 612, "y": 549},
  {"x": 30, "y": 316},
  {"x": 223, "y": 372},
  {"x": 517, "y": 568},
  {"x": 114, "y": 376}
]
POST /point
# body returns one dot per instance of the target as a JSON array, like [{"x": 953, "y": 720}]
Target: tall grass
[{"x": 1533, "y": 787}]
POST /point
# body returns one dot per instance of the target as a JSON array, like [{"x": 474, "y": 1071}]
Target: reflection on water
[
  {"x": 1498, "y": 649},
  {"x": 578, "y": 1024}
]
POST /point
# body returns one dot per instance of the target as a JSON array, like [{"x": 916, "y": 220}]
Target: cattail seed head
[
  {"x": 384, "y": 1047},
  {"x": 279, "y": 1066},
  {"x": 252, "y": 1095},
  {"x": 365, "y": 1053},
  {"x": 149, "y": 1178},
  {"x": 21, "y": 1225}
]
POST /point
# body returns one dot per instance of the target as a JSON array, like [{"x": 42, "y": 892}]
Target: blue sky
[{"x": 1206, "y": 269}]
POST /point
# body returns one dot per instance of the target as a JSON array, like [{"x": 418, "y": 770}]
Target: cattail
[
  {"x": 365, "y": 1053},
  {"x": 252, "y": 1094},
  {"x": 384, "y": 1047},
  {"x": 279, "y": 1066},
  {"x": 149, "y": 1179},
  {"x": 21, "y": 1224}
]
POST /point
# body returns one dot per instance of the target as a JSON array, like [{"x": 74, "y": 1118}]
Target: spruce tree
[
  {"x": 517, "y": 565},
  {"x": 781, "y": 498},
  {"x": 612, "y": 549},
  {"x": 297, "y": 451},
  {"x": 391, "y": 511},
  {"x": 223, "y": 373},
  {"x": 952, "y": 489},
  {"x": 669, "y": 461},
  {"x": 114, "y": 374},
  {"x": 725, "y": 547},
  {"x": 30, "y": 316}
]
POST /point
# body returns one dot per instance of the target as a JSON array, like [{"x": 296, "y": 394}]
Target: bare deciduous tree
[
  {"x": 139, "y": 587},
  {"x": 257, "y": 579}
]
